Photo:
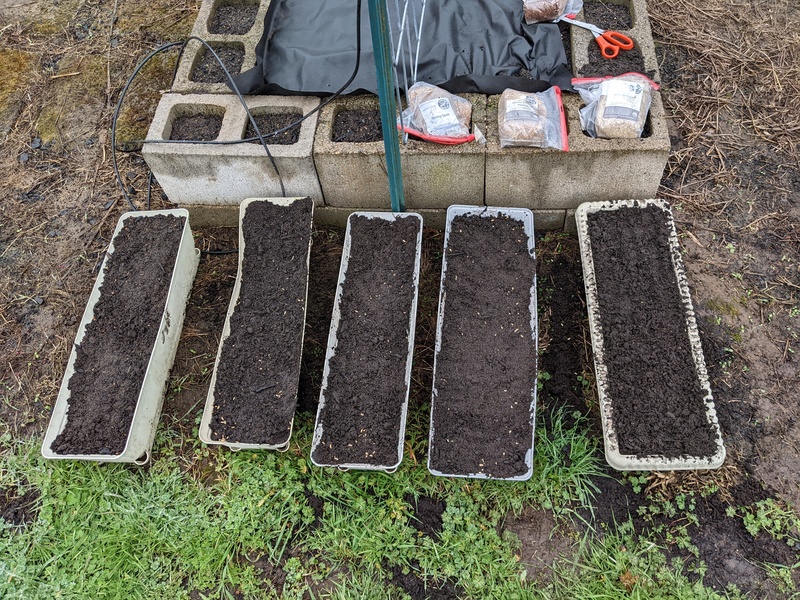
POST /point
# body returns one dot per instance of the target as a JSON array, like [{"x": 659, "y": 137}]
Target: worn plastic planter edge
[
  {"x": 151, "y": 393},
  {"x": 623, "y": 462},
  {"x": 333, "y": 341}
]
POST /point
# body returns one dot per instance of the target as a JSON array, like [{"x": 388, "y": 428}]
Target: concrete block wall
[
  {"x": 193, "y": 173},
  {"x": 195, "y": 51},
  {"x": 343, "y": 177},
  {"x": 354, "y": 175}
]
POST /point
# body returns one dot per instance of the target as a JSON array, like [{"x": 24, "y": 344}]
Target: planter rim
[
  {"x": 627, "y": 462},
  {"x": 526, "y": 217},
  {"x": 151, "y": 393},
  {"x": 333, "y": 342}
]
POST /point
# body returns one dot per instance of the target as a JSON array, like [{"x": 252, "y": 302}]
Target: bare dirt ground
[{"x": 731, "y": 81}]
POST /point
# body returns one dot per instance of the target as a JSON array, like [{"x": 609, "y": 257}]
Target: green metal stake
[{"x": 379, "y": 24}]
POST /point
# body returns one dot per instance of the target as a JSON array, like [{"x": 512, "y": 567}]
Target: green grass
[{"x": 209, "y": 520}]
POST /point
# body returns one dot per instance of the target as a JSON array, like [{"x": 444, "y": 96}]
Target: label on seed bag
[
  {"x": 439, "y": 117},
  {"x": 524, "y": 109},
  {"x": 623, "y": 99}
]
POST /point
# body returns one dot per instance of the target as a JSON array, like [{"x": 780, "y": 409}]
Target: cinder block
[
  {"x": 640, "y": 31},
  {"x": 353, "y": 175},
  {"x": 194, "y": 50},
  {"x": 194, "y": 173},
  {"x": 593, "y": 169}
]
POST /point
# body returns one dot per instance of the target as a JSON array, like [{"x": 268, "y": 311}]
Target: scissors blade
[{"x": 593, "y": 28}]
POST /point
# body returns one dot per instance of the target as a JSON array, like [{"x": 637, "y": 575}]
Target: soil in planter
[
  {"x": 607, "y": 15},
  {"x": 201, "y": 128},
  {"x": 259, "y": 367},
  {"x": 656, "y": 398},
  {"x": 626, "y": 61},
  {"x": 234, "y": 18},
  {"x": 486, "y": 367},
  {"x": 112, "y": 357},
  {"x": 269, "y": 122},
  {"x": 357, "y": 126},
  {"x": 208, "y": 69},
  {"x": 366, "y": 385}
]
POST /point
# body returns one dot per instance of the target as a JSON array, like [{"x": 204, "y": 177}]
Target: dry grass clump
[{"x": 732, "y": 80}]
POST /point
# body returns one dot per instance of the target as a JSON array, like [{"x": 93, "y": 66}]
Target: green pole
[{"x": 379, "y": 24}]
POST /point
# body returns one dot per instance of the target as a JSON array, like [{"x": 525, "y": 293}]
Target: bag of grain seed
[
  {"x": 436, "y": 115},
  {"x": 535, "y": 120},
  {"x": 616, "y": 107},
  {"x": 540, "y": 11}
]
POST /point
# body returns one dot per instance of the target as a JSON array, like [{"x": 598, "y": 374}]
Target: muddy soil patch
[
  {"x": 486, "y": 365},
  {"x": 233, "y": 18},
  {"x": 201, "y": 128},
  {"x": 18, "y": 507},
  {"x": 357, "y": 126},
  {"x": 271, "y": 122},
  {"x": 419, "y": 589},
  {"x": 208, "y": 70},
  {"x": 113, "y": 356},
  {"x": 657, "y": 403},
  {"x": 258, "y": 371},
  {"x": 427, "y": 515},
  {"x": 363, "y": 414},
  {"x": 326, "y": 255},
  {"x": 543, "y": 541}
]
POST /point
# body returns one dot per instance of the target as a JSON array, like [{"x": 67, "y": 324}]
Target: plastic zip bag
[
  {"x": 540, "y": 11},
  {"x": 616, "y": 107},
  {"x": 535, "y": 120},
  {"x": 436, "y": 115}
]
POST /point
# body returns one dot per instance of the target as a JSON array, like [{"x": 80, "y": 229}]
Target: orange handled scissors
[{"x": 610, "y": 42}]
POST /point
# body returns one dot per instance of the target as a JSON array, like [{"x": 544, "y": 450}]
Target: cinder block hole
[
  {"x": 647, "y": 131},
  {"x": 609, "y": 14},
  {"x": 199, "y": 122},
  {"x": 271, "y": 119},
  {"x": 233, "y": 17},
  {"x": 357, "y": 126},
  {"x": 206, "y": 68}
]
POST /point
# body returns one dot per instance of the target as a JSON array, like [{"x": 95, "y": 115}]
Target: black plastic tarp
[{"x": 309, "y": 47}]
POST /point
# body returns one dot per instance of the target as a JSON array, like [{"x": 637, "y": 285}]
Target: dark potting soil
[
  {"x": 18, "y": 507},
  {"x": 233, "y": 18},
  {"x": 357, "y": 126},
  {"x": 607, "y": 15},
  {"x": 418, "y": 589},
  {"x": 427, "y": 516},
  {"x": 112, "y": 357},
  {"x": 208, "y": 69},
  {"x": 269, "y": 122},
  {"x": 257, "y": 376},
  {"x": 201, "y": 128},
  {"x": 627, "y": 61},
  {"x": 366, "y": 386},
  {"x": 656, "y": 399},
  {"x": 486, "y": 367}
]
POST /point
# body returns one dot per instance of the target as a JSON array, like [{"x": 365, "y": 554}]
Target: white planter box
[
  {"x": 333, "y": 343},
  {"x": 208, "y": 412},
  {"x": 151, "y": 395},
  {"x": 614, "y": 457}
]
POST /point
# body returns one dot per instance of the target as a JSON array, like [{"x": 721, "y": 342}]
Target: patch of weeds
[
  {"x": 670, "y": 519},
  {"x": 773, "y": 517},
  {"x": 624, "y": 565}
]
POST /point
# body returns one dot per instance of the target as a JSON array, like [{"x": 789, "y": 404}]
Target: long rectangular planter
[
  {"x": 150, "y": 396},
  {"x": 655, "y": 397},
  {"x": 363, "y": 403},
  {"x": 483, "y": 404},
  {"x": 253, "y": 393}
]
